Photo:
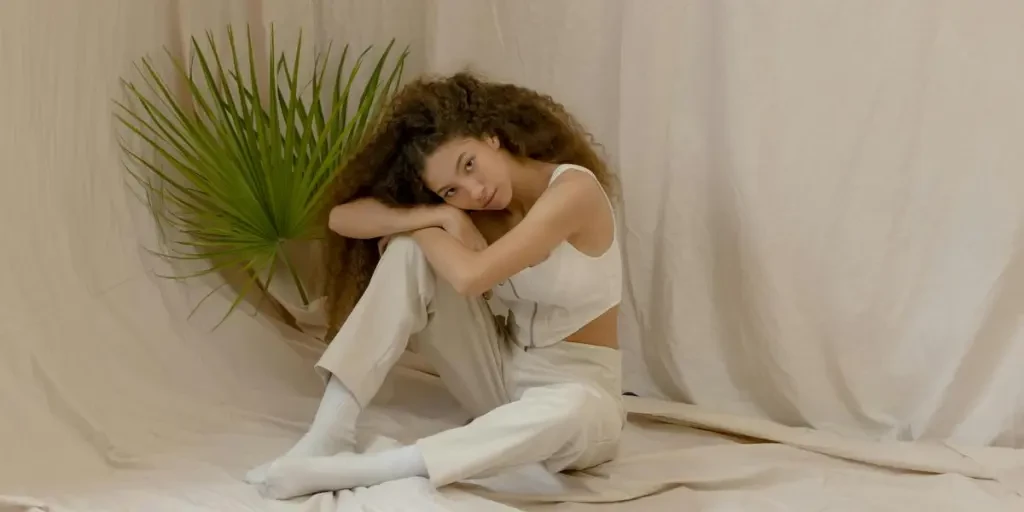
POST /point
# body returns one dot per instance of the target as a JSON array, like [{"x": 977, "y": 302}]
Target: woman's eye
[
  {"x": 469, "y": 163},
  {"x": 450, "y": 192}
]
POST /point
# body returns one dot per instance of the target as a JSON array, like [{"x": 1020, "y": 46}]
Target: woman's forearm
[
  {"x": 369, "y": 218},
  {"x": 449, "y": 258}
]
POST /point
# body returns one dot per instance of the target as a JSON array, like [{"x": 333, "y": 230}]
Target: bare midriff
[{"x": 602, "y": 331}]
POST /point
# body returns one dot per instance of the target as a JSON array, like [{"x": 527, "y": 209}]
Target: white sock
[
  {"x": 333, "y": 429},
  {"x": 334, "y": 425},
  {"x": 288, "y": 478}
]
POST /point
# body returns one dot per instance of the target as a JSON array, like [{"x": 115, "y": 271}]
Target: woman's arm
[
  {"x": 369, "y": 218},
  {"x": 559, "y": 214}
]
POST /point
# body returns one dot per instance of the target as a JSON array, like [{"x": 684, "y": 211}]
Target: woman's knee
[
  {"x": 575, "y": 399},
  {"x": 403, "y": 245},
  {"x": 595, "y": 416},
  {"x": 403, "y": 254}
]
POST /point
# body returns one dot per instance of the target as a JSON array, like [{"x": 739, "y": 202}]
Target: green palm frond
[{"x": 238, "y": 170}]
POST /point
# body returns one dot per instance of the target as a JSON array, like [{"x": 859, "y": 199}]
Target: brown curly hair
[{"x": 422, "y": 116}]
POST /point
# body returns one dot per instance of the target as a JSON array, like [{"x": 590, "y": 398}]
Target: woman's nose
[{"x": 478, "y": 192}]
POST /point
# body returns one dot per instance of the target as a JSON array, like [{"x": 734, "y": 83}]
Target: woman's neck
[{"x": 529, "y": 181}]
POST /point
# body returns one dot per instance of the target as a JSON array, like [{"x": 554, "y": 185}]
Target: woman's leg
[
  {"x": 563, "y": 417},
  {"x": 404, "y": 299},
  {"x": 567, "y": 413}
]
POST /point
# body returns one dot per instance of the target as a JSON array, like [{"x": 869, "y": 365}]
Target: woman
[{"x": 469, "y": 188}]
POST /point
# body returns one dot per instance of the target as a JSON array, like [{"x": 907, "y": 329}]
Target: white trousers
[{"x": 560, "y": 406}]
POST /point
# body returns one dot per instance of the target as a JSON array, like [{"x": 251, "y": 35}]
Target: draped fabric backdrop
[{"x": 823, "y": 221}]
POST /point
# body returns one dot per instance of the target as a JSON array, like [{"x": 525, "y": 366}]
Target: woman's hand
[{"x": 459, "y": 225}]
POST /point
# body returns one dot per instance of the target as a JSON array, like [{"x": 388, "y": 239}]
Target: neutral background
[
  {"x": 823, "y": 211},
  {"x": 823, "y": 220}
]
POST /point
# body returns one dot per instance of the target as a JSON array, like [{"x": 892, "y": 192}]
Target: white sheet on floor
[{"x": 750, "y": 274}]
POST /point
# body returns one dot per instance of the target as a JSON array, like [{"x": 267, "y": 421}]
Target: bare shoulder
[
  {"x": 580, "y": 187},
  {"x": 590, "y": 202}
]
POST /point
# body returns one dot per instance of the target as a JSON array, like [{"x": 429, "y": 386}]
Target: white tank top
[{"x": 555, "y": 298}]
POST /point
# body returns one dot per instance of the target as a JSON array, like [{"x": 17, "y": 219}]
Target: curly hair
[{"x": 419, "y": 118}]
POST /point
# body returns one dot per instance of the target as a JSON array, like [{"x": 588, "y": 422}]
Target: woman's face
[{"x": 470, "y": 174}]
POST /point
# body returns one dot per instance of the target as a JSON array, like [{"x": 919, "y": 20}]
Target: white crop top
[{"x": 569, "y": 289}]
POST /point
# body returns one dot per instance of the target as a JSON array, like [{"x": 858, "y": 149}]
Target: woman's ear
[{"x": 493, "y": 142}]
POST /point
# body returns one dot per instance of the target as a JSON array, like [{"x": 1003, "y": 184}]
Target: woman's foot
[
  {"x": 312, "y": 444},
  {"x": 291, "y": 477},
  {"x": 333, "y": 430}
]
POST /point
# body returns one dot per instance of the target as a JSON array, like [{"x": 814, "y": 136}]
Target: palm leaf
[{"x": 240, "y": 172}]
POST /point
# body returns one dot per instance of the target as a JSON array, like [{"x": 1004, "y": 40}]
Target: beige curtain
[
  {"x": 822, "y": 221},
  {"x": 822, "y": 199}
]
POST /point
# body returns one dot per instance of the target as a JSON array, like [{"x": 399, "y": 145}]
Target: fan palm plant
[{"x": 240, "y": 170}]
